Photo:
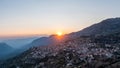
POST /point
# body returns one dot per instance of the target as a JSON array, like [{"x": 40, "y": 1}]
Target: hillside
[
  {"x": 43, "y": 41},
  {"x": 85, "y": 52},
  {"x": 105, "y": 27},
  {"x": 5, "y": 49}
]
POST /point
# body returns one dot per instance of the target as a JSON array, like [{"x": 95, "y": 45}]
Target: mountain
[
  {"x": 105, "y": 27},
  {"x": 43, "y": 41},
  {"x": 7, "y": 53},
  {"x": 5, "y": 49},
  {"x": 108, "y": 26},
  {"x": 81, "y": 52},
  {"x": 96, "y": 46}
]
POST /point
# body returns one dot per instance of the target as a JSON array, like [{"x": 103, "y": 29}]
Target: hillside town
[{"x": 82, "y": 52}]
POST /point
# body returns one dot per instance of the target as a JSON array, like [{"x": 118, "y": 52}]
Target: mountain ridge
[{"x": 104, "y": 27}]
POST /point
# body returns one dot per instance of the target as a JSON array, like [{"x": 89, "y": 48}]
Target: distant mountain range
[
  {"x": 10, "y": 47},
  {"x": 18, "y": 42}
]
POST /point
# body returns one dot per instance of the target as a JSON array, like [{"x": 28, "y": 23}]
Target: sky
[{"x": 39, "y": 17}]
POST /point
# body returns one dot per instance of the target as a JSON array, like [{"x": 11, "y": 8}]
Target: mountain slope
[
  {"x": 105, "y": 27},
  {"x": 43, "y": 41},
  {"x": 108, "y": 26},
  {"x": 5, "y": 49},
  {"x": 81, "y": 52}
]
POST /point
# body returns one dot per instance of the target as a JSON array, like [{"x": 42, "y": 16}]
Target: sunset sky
[{"x": 33, "y": 17}]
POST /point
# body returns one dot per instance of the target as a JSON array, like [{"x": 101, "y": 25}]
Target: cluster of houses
[{"x": 75, "y": 53}]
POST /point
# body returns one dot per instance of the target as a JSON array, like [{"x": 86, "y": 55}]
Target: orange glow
[
  {"x": 59, "y": 33},
  {"x": 59, "y": 36}
]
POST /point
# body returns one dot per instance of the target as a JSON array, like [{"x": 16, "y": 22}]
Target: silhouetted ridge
[{"x": 105, "y": 27}]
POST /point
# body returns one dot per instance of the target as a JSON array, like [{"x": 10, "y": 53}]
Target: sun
[{"x": 59, "y": 33}]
